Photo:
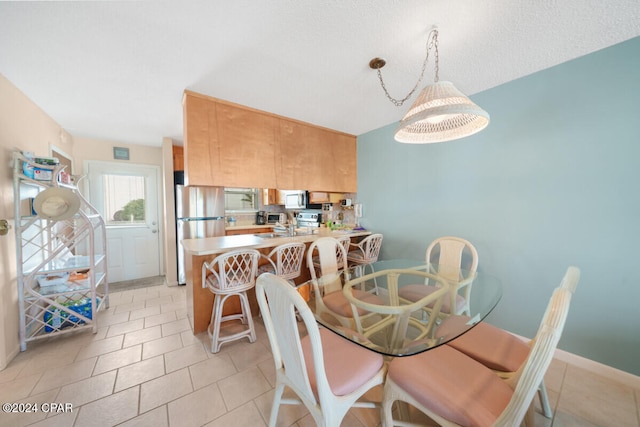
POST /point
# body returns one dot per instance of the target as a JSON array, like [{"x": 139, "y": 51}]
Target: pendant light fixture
[{"x": 440, "y": 113}]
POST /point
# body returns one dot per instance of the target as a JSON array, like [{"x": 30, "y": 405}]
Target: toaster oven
[{"x": 273, "y": 218}]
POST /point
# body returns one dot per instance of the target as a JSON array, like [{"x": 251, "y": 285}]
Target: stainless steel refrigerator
[{"x": 199, "y": 213}]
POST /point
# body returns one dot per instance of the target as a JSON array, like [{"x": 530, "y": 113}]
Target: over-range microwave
[{"x": 299, "y": 199}]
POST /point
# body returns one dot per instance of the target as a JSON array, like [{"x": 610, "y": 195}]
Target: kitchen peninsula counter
[{"x": 199, "y": 251}]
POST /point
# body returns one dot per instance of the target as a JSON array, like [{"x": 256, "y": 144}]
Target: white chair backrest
[
  {"x": 278, "y": 302},
  {"x": 532, "y": 371},
  {"x": 448, "y": 251},
  {"x": 370, "y": 246},
  {"x": 570, "y": 279},
  {"x": 396, "y": 312},
  {"x": 569, "y": 283},
  {"x": 331, "y": 255},
  {"x": 288, "y": 259},
  {"x": 234, "y": 270},
  {"x": 345, "y": 241}
]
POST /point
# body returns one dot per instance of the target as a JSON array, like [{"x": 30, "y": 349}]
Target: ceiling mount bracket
[{"x": 377, "y": 63}]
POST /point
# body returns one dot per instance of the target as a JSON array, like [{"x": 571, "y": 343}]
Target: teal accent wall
[{"x": 553, "y": 181}]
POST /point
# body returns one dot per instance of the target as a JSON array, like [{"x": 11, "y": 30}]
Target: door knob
[
  {"x": 4, "y": 227},
  {"x": 154, "y": 231}
]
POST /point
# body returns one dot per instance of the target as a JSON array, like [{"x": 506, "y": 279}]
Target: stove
[{"x": 309, "y": 219}]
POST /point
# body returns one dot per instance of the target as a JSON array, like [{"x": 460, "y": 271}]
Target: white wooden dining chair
[
  {"x": 329, "y": 299},
  {"x": 456, "y": 390},
  {"x": 345, "y": 241},
  {"x": 328, "y": 373},
  {"x": 502, "y": 351},
  {"x": 394, "y": 317},
  {"x": 454, "y": 252}
]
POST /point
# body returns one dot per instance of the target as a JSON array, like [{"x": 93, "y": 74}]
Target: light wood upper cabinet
[
  {"x": 314, "y": 158},
  {"x": 201, "y": 146},
  {"x": 271, "y": 196},
  {"x": 234, "y": 146},
  {"x": 344, "y": 177},
  {"x": 178, "y": 158},
  {"x": 302, "y": 161},
  {"x": 318, "y": 197},
  {"x": 247, "y": 149}
]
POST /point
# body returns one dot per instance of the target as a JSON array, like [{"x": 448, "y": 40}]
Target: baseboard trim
[
  {"x": 597, "y": 368},
  {"x": 171, "y": 284},
  {"x": 12, "y": 354}
]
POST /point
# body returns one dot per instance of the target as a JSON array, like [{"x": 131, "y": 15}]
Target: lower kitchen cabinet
[{"x": 231, "y": 232}]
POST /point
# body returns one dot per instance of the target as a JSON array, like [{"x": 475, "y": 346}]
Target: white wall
[
  {"x": 23, "y": 126},
  {"x": 170, "y": 249},
  {"x": 94, "y": 149}
]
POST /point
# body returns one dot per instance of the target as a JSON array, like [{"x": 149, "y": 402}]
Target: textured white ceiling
[{"x": 117, "y": 70}]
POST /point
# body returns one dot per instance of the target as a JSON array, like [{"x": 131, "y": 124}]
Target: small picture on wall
[{"x": 120, "y": 153}]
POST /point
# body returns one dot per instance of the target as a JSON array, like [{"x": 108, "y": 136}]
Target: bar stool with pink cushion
[
  {"x": 365, "y": 252},
  {"x": 284, "y": 261},
  {"x": 232, "y": 273}
]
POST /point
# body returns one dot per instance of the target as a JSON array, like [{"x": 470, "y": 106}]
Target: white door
[{"x": 127, "y": 197}]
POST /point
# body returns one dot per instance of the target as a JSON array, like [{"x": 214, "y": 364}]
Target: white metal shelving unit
[{"x": 44, "y": 247}]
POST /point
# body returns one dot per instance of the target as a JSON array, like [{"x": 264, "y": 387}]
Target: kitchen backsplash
[{"x": 331, "y": 212}]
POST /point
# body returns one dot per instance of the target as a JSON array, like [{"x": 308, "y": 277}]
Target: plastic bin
[{"x": 56, "y": 319}]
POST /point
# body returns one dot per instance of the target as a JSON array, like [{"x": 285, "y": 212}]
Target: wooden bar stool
[
  {"x": 230, "y": 274},
  {"x": 284, "y": 261},
  {"x": 365, "y": 252}
]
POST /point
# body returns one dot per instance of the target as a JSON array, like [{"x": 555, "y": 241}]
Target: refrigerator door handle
[{"x": 202, "y": 218}]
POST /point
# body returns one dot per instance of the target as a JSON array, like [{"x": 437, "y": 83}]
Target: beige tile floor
[{"x": 145, "y": 368}]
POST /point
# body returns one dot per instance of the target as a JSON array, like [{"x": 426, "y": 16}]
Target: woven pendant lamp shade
[{"x": 441, "y": 113}]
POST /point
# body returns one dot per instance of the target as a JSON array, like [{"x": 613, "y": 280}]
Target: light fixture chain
[{"x": 432, "y": 43}]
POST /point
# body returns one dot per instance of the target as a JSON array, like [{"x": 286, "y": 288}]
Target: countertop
[{"x": 217, "y": 245}]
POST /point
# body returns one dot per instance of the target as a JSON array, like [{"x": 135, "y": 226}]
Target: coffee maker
[{"x": 261, "y": 218}]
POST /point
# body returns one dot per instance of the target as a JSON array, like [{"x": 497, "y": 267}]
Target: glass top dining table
[{"x": 401, "y": 307}]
